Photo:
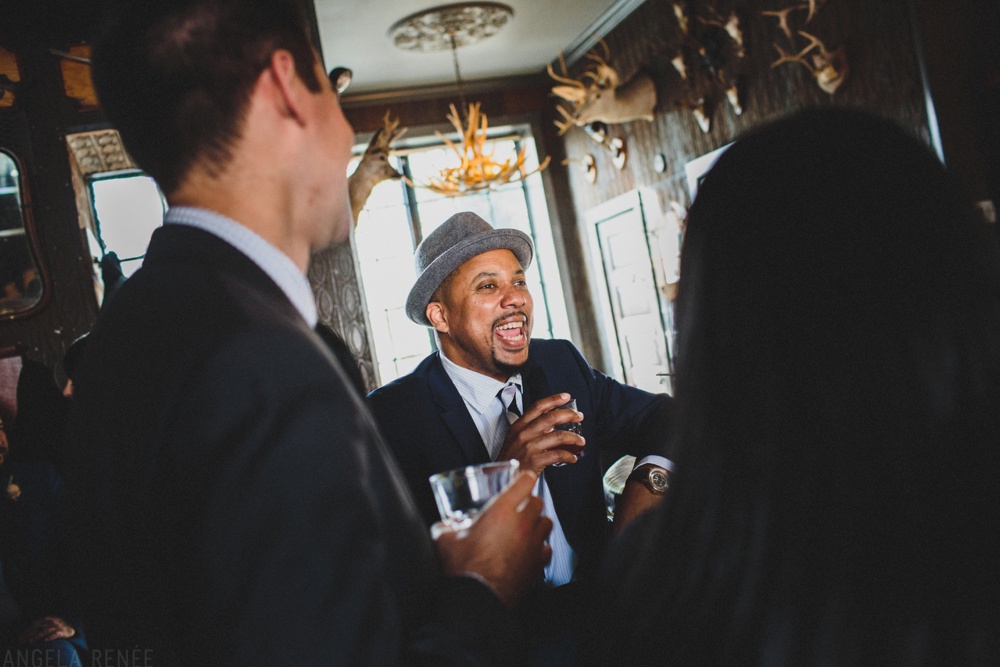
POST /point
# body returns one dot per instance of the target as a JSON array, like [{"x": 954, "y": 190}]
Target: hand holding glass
[{"x": 461, "y": 494}]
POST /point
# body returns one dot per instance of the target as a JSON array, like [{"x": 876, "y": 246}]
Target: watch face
[{"x": 659, "y": 480}]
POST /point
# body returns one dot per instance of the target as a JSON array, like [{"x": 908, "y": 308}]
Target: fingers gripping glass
[{"x": 340, "y": 79}]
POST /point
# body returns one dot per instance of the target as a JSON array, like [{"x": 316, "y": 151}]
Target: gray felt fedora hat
[{"x": 459, "y": 238}]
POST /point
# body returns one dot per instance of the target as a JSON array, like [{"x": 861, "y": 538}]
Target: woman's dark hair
[
  {"x": 175, "y": 77},
  {"x": 838, "y": 414},
  {"x": 42, "y": 415},
  {"x": 73, "y": 356}
]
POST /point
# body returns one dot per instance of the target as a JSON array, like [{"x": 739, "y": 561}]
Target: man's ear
[
  {"x": 436, "y": 316},
  {"x": 287, "y": 86}
]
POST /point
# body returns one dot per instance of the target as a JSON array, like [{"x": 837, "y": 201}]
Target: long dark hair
[{"x": 838, "y": 414}]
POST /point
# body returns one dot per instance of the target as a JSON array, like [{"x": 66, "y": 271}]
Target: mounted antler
[
  {"x": 605, "y": 98},
  {"x": 732, "y": 27},
  {"x": 828, "y": 67},
  {"x": 707, "y": 54},
  {"x": 374, "y": 166},
  {"x": 782, "y": 16},
  {"x": 813, "y": 6},
  {"x": 615, "y": 145},
  {"x": 587, "y": 165}
]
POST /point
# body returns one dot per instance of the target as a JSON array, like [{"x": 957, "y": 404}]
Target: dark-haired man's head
[{"x": 176, "y": 77}]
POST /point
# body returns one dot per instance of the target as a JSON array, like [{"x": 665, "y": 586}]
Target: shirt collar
[
  {"x": 277, "y": 265},
  {"x": 477, "y": 390}
]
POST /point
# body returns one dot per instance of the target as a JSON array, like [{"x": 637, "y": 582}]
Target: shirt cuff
[{"x": 660, "y": 461}]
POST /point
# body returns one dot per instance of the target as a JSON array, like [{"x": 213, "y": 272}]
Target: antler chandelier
[{"x": 449, "y": 27}]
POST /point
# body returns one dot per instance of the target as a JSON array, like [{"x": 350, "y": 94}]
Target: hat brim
[{"x": 431, "y": 278}]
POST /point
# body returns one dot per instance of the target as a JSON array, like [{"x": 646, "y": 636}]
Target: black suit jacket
[
  {"x": 230, "y": 498},
  {"x": 427, "y": 425}
]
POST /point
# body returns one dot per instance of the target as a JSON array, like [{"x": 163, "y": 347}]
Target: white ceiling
[{"x": 354, "y": 34}]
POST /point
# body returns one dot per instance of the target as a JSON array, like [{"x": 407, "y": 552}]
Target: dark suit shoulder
[
  {"x": 412, "y": 381},
  {"x": 410, "y": 393},
  {"x": 546, "y": 351}
]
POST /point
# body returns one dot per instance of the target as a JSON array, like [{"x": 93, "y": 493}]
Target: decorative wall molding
[{"x": 99, "y": 152}]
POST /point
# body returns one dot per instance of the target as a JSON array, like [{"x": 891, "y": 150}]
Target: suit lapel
[{"x": 455, "y": 414}]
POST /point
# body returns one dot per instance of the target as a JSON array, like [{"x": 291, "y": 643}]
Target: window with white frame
[{"x": 397, "y": 216}]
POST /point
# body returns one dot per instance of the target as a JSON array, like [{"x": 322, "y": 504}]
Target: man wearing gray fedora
[{"x": 492, "y": 393}]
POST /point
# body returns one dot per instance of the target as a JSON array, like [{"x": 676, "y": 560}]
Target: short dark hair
[{"x": 175, "y": 77}]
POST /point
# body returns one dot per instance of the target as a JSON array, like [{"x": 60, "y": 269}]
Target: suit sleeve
[
  {"x": 401, "y": 419},
  {"x": 306, "y": 547}
]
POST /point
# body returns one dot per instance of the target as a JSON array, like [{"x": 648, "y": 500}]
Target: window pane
[
  {"x": 128, "y": 209},
  {"x": 385, "y": 252}
]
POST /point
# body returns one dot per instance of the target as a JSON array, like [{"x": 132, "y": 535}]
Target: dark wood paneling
[
  {"x": 40, "y": 141},
  {"x": 885, "y": 57},
  {"x": 884, "y": 79}
]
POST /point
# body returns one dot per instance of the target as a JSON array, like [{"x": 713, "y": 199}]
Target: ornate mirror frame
[{"x": 31, "y": 241}]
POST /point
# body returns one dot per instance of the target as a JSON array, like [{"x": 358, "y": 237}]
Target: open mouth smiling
[{"x": 512, "y": 331}]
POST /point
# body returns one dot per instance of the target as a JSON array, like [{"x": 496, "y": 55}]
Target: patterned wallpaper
[{"x": 334, "y": 277}]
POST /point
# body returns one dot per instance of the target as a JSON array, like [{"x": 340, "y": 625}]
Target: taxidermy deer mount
[
  {"x": 604, "y": 97},
  {"x": 374, "y": 166},
  {"x": 829, "y": 68},
  {"x": 707, "y": 53}
]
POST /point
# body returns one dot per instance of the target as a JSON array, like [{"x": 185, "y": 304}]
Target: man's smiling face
[{"x": 483, "y": 315}]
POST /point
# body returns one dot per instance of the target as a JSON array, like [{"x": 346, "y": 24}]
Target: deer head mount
[
  {"x": 599, "y": 94},
  {"x": 828, "y": 67},
  {"x": 707, "y": 53},
  {"x": 374, "y": 166}
]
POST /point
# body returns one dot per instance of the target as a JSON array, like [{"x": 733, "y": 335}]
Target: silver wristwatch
[{"x": 654, "y": 478}]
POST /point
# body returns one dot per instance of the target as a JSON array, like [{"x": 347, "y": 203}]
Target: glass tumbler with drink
[
  {"x": 573, "y": 427},
  {"x": 461, "y": 494}
]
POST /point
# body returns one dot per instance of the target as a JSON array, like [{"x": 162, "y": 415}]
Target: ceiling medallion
[
  {"x": 439, "y": 28},
  {"x": 447, "y": 28}
]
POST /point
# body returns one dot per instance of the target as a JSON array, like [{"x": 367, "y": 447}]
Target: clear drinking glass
[
  {"x": 575, "y": 427},
  {"x": 461, "y": 494}
]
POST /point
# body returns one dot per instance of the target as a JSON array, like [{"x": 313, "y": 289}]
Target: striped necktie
[
  {"x": 508, "y": 396},
  {"x": 560, "y": 568},
  {"x": 508, "y": 400}
]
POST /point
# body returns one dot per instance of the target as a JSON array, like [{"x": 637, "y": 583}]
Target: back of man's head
[{"x": 175, "y": 77}]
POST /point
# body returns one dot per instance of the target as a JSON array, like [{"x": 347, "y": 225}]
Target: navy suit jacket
[
  {"x": 428, "y": 426},
  {"x": 230, "y": 499}
]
